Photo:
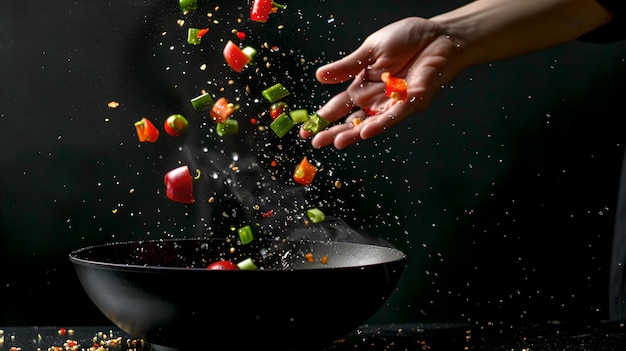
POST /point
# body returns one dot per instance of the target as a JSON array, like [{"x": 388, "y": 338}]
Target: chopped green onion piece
[
  {"x": 299, "y": 116},
  {"x": 275, "y": 92},
  {"x": 282, "y": 124},
  {"x": 247, "y": 264},
  {"x": 315, "y": 215},
  {"x": 245, "y": 234},
  {"x": 192, "y": 36},
  {"x": 249, "y": 51},
  {"x": 188, "y": 5},
  {"x": 315, "y": 124},
  {"x": 230, "y": 126},
  {"x": 202, "y": 101}
]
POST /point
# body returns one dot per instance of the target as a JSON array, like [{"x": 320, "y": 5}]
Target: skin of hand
[{"x": 429, "y": 53}]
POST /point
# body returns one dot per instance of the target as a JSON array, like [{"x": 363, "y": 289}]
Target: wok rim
[{"x": 402, "y": 258}]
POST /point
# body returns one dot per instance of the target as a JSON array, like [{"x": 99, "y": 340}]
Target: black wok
[{"x": 161, "y": 292}]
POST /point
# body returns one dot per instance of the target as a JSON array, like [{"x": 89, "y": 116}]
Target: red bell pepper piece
[
  {"x": 179, "y": 185},
  {"x": 176, "y": 125},
  {"x": 305, "y": 172},
  {"x": 396, "y": 88},
  {"x": 202, "y": 32},
  {"x": 146, "y": 131},
  {"x": 277, "y": 108},
  {"x": 261, "y": 10},
  {"x": 222, "y": 109},
  {"x": 237, "y": 58}
]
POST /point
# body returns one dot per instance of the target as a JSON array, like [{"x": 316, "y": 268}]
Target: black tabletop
[{"x": 548, "y": 336}]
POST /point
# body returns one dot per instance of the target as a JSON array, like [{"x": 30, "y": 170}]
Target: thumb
[{"x": 345, "y": 68}]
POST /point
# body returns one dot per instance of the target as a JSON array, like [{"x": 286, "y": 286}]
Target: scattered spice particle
[
  {"x": 337, "y": 184},
  {"x": 309, "y": 257},
  {"x": 211, "y": 200},
  {"x": 180, "y": 22},
  {"x": 324, "y": 259},
  {"x": 113, "y": 104},
  {"x": 203, "y": 67}
]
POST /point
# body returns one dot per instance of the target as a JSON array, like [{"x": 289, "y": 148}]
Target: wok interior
[{"x": 267, "y": 255}]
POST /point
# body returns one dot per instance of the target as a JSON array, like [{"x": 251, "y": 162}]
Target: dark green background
[{"x": 502, "y": 193}]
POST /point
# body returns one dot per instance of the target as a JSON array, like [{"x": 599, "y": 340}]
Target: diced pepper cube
[
  {"x": 203, "y": 101},
  {"x": 304, "y": 172},
  {"x": 188, "y": 5},
  {"x": 222, "y": 109},
  {"x": 193, "y": 37},
  {"x": 230, "y": 126},
  {"x": 315, "y": 215},
  {"x": 315, "y": 123},
  {"x": 245, "y": 234},
  {"x": 282, "y": 124},
  {"x": 299, "y": 116},
  {"x": 275, "y": 92},
  {"x": 247, "y": 264}
]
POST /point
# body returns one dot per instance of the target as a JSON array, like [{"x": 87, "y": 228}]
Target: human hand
[{"x": 414, "y": 49}]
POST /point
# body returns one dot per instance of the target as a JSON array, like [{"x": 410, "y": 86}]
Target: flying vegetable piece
[
  {"x": 222, "y": 109},
  {"x": 315, "y": 215},
  {"x": 146, "y": 131},
  {"x": 299, "y": 116},
  {"x": 222, "y": 265},
  {"x": 282, "y": 124},
  {"x": 194, "y": 35},
  {"x": 202, "y": 101},
  {"x": 315, "y": 123},
  {"x": 304, "y": 172},
  {"x": 395, "y": 88},
  {"x": 179, "y": 185},
  {"x": 188, "y": 5},
  {"x": 238, "y": 58},
  {"x": 275, "y": 92},
  {"x": 176, "y": 125},
  {"x": 261, "y": 10},
  {"x": 277, "y": 108},
  {"x": 230, "y": 126},
  {"x": 245, "y": 234},
  {"x": 247, "y": 264}
]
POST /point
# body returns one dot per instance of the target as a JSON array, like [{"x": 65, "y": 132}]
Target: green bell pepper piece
[
  {"x": 245, "y": 234},
  {"x": 299, "y": 116},
  {"x": 202, "y": 101},
  {"x": 192, "y": 36},
  {"x": 275, "y": 92},
  {"x": 315, "y": 215},
  {"x": 315, "y": 123},
  {"x": 188, "y": 5},
  {"x": 282, "y": 124},
  {"x": 247, "y": 264},
  {"x": 230, "y": 126}
]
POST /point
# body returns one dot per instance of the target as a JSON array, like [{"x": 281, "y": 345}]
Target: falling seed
[{"x": 337, "y": 184}]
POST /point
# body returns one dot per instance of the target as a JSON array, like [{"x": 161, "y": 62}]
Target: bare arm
[
  {"x": 429, "y": 53},
  {"x": 490, "y": 30}
]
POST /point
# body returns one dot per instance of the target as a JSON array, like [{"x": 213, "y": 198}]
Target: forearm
[{"x": 489, "y": 30}]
